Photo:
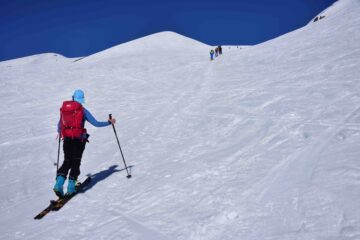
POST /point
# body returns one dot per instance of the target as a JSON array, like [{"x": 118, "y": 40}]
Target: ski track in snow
[{"x": 261, "y": 143}]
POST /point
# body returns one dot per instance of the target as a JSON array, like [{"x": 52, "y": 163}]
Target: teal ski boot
[
  {"x": 58, "y": 188},
  {"x": 71, "y": 188}
]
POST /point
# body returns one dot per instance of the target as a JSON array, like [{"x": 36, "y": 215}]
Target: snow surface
[{"x": 260, "y": 144}]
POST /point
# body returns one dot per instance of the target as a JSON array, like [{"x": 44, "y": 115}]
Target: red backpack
[{"x": 71, "y": 119}]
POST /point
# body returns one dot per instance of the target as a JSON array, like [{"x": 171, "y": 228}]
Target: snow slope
[{"x": 261, "y": 143}]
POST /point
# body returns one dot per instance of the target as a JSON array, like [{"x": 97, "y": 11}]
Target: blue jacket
[{"x": 90, "y": 118}]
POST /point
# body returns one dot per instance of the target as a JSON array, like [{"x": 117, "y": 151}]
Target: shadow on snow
[{"x": 102, "y": 175}]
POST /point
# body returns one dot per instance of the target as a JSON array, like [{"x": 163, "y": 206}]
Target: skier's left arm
[{"x": 90, "y": 118}]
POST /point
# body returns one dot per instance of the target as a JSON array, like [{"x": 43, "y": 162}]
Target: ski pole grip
[{"x": 110, "y": 116}]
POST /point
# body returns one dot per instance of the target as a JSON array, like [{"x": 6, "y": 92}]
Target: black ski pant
[{"x": 73, "y": 150}]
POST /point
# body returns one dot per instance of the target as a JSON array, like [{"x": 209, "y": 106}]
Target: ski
[
  {"x": 56, "y": 205},
  {"x": 45, "y": 211}
]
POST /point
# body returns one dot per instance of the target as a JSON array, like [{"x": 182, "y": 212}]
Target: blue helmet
[{"x": 79, "y": 96}]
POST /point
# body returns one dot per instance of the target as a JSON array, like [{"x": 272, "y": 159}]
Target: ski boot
[
  {"x": 71, "y": 188},
  {"x": 58, "y": 188}
]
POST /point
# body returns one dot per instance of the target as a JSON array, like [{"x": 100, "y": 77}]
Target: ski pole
[
  {"x": 122, "y": 155},
  {"x": 58, "y": 156}
]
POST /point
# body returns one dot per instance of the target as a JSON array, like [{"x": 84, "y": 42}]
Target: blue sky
[{"x": 83, "y": 27}]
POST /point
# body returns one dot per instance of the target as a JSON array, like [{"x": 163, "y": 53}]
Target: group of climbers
[{"x": 217, "y": 52}]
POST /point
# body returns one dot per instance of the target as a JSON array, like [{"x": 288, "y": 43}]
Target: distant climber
[
  {"x": 216, "y": 51},
  {"x": 220, "y": 50},
  {"x": 212, "y": 55}
]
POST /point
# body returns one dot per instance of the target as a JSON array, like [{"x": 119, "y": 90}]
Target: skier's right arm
[{"x": 90, "y": 118}]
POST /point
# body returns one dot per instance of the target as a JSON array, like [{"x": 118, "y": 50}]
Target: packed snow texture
[{"x": 260, "y": 144}]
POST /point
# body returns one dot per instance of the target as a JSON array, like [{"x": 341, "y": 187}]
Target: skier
[
  {"x": 216, "y": 52},
  {"x": 212, "y": 55},
  {"x": 71, "y": 129},
  {"x": 220, "y": 50}
]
